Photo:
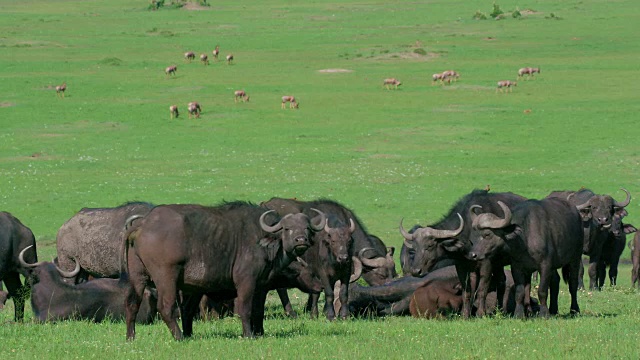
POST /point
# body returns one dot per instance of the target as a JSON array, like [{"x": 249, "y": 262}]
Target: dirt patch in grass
[
  {"x": 195, "y": 7},
  {"x": 405, "y": 56},
  {"x": 6, "y": 104},
  {"x": 529, "y": 12},
  {"x": 331, "y": 71}
]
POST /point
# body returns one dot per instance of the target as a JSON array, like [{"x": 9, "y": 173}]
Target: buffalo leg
[
  {"x": 601, "y": 273},
  {"x": 312, "y": 305},
  {"x": 573, "y": 286},
  {"x": 581, "y": 276},
  {"x": 257, "y": 313},
  {"x": 328, "y": 301},
  {"x": 543, "y": 289},
  {"x": 189, "y": 307},
  {"x": 484, "y": 279},
  {"x": 17, "y": 293},
  {"x": 167, "y": 299},
  {"x": 137, "y": 283},
  {"x": 518, "y": 279},
  {"x": 613, "y": 270},
  {"x": 244, "y": 306},
  {"x": 554, "y": 287},
  {"x": 634, "y": 271},
  {"x": 593, "y": 273},
  {"x": 344, "y": 299},
  {"x": 286, "y": 303},
  {"x": 464, "y": 275}
]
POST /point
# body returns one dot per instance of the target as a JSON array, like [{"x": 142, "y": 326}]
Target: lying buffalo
[
  {"x": 52, "y": 299},
  {"x": 14, "y": 237},
  {"x": 226, "y": 251},
  {"x": 93, "y": 237},
  {"x": 438, "y": 292}
]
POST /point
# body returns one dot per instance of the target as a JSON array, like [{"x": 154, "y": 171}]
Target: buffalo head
[
  {"x": 379, "y": 269},
  {"x": 338, "y": 239},
  {"x": 489, "y": 232},
  {"x": 602, "y": 209},
  {"x": 428, "y": 245},
  {"x": 66, "y": 274},
  {"x": 295, "y": 230}
]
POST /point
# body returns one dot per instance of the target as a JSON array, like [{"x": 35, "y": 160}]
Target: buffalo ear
[
  {"x": 621, "y": 212},
  {"x": 585, "y": 214},
  {"x": 512, "y": 233},
  {"x": 452, "y": 245},
  {"x": 267, "y": 241},
  {"x": 628, "y": 229}
]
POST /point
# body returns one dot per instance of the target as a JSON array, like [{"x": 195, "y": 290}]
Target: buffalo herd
[{"x": 140, "y": 261}]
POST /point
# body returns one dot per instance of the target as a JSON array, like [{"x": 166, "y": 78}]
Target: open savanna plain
[{"x": 387, "y": 154}]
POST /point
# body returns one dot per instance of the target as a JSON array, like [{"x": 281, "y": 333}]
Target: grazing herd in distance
[{"x": 138, "y": 260}]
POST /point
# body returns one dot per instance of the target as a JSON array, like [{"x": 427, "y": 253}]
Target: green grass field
[{"x": 386, "y": 154}]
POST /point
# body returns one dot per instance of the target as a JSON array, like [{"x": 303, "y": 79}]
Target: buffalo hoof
[
  {"x": 292, "y": 314},
  {"x": 519, "y": 312},
  {"x": 544, "y": 312}
]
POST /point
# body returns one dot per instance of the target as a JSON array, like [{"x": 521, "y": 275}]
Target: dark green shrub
[{"x": 496, "y": 11}]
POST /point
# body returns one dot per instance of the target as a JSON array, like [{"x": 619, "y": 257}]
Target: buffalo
[
  {"x": 93, "y": 237},
  {"x": 600, "y": 214},
  {"x": 331, "y": 258},
  {"x": 14, "y": 237},
  {"x": 448, "y": 239},
  {"x": 634, "y": 245},
  {"x": 225, "y": 251},
  {"x": 378, "y": 266},
  {"x": 539, "y": 235},
  {"x": 52, "y": 299}
]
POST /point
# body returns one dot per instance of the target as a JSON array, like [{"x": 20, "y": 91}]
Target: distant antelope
[
  {"x": 171, "y": 70},
  {"x": 204, "y": 58},
  {"x": 194, "y": 109},
  {"x": 436, "y": 78},
  {"x": 189, "y": 55},
  {"x": 451, "y": 74},
  {"x": 173, "y": 110},
  {"x": 529, "y": 71},
  {"x": 216, "y": 52},
  {"x": 60, "y": 89},
  {"x": 506, "y": 84},
  {"x": 229, "y": 58},
  {"x": 393, "y": 82},
  {"x": 291, "y": 100},
  {"x": 240, "y": 94}
]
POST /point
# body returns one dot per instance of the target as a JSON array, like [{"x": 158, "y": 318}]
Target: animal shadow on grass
[{"x": 294, "y": 329}]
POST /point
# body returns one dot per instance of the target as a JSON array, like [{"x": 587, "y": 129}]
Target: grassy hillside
[{"x": 386, "y": 154}]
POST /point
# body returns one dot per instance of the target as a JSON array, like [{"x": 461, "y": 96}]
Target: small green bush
[
  {"x": 420, "y": 51},
  {"x": 496, "y": 11},
  {"x": 479, "y": 15},
  {"x": 516, "y": 14}
]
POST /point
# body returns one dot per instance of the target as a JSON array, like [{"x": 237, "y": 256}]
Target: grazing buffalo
[
  {"x": 14, "y": 237},
  {"x": 599, "y": 213},
  {"x": 93, "y": 238},
  {"x": 224, "y": 252},
  {"x": 448, "y": 239},
  {"x": 378, "y": 266},
  {"x": 539, "y": 235},
  {"x": 331, "y": 258},
  {"x": 97, "y": 300},
  {"x": 634, "y": 245}
]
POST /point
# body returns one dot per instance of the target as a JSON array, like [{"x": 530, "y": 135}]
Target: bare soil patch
[
  {"x": 335, "y": 71},
  {"x": 6, "y": 104},
  {"x": 195, "y": 7}
]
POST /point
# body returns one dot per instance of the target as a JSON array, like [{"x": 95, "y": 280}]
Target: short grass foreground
[{"x": 409, "y": 152}]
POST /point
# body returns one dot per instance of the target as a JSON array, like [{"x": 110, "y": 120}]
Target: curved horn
[
  {"x": 267, "y": 228},
  {"x": 500, "y": 223},
  {"x": 627, "y": 200},
  {"x": 472, "y": 215},
  {"x": 375, "y": 262},
  {"x": 70, "y": 274},
  {"x": 357, "y": 269},
  {"x": 444, "y": 234},
  {"x": 352, "y": 226},
  {"x": 583, "y": 206},
  {"x": 301, "y": 261},
  {"x": 323, "y": 220},
  {"x": 129, "y": 221},
  {"x": 405, "y": 234},
  {"x": 24, "y": 263}
]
